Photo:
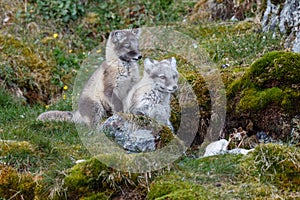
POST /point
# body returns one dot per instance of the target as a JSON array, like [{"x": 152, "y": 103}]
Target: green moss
[
  {"x": 270, "y": 169},
  {"x": 166, "y": 136},
  {"x": 272, "y": 79},
  {"x": 238, "y": 85},
  {"x": 14, "y": 184},
  {"x": 275, "y": 69},
  {"x": 92, "y": 178},
  {"x": 8, "y": 147},
  {"x": 176, "y": 189},
  {"x": 84, "y": 178},
  {"x": 218, "y": 164},
  {"x": 98, "y": 196},
  {"x": 255, "y": 100}
]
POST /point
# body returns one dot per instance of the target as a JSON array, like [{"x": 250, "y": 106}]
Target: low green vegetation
[
  {"x": 237, "y": 44},
  {"x": 270, "y": 172},
  {"x": 43, "y": 45}
]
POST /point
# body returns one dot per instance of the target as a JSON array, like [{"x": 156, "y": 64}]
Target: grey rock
[
  {"x": 285, "y": 17},
  {"x": 270, "y": 17},
  {"x": 131, "y": 134},
  {"x": 296, "y": 44}
]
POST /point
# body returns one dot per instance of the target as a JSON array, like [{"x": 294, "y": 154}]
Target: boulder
[{"x": 136, "y": 133}]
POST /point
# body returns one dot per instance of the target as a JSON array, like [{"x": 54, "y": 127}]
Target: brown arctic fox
[
  {"x": 109, "y": 84},
  {"x": 151, "y": 95}
]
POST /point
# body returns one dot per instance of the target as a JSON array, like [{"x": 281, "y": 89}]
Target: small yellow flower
[
  {"x": 65, "y": 87},
  {"x": 47, "y": 106},
  {"x": 99, "y": 51},
  {"x": 70, "y": 51},
  {"x": 64, "y": 97},
  {"x": 55, "y": 35}
]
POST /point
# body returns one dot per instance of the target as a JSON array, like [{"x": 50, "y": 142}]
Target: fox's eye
[{"x": 162, "y": 76}]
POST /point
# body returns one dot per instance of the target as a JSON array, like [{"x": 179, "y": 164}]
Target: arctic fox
[
  {"x": 109, "y": 84},
  {"x": 151, "y": 95}
]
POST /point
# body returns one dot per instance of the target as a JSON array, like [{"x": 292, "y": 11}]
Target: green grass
[
  {"x": 234, "y": 43},
  {"x": 56, "y": 145}
]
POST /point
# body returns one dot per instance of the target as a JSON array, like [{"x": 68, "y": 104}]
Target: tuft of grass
[{"x": 274, "y": 164}]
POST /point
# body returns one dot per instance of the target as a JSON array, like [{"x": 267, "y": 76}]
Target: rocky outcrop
[{"x": 285, "y": 16}]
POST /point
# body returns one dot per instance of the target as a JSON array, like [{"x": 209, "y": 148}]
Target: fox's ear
[
  {"x": 137, "y": 32},
  {"x": 117, "y": 36},
  {"x": 148, "y": 65},
  {"x": 173, "y": 62}
]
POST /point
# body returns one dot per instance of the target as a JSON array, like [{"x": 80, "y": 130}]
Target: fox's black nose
[
  {"x": 140, "y": 57},
  {"x": 175, "y": 87}
]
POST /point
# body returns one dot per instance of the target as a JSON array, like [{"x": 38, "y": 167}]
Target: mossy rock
[
  {"x": 135, "y": 133},
  {"x": 276, "y": 69},
  {"x": 266, "y": 94},
  {"x": 83, "y": 178},
  {"x": 92, "y": 179},
  {"x": 17, "y": 185},
  {"x": 274, "y": 163},
  {"x": 222, "y": 10}
]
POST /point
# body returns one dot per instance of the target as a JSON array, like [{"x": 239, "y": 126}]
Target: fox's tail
[{"x": 56, "y": 115}]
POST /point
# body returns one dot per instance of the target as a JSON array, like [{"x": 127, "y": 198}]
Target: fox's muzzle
[
  {"x": 131, "y": 55},
  {"x": 135, "y": 55},
  {"x": 172, "y": 89}
]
